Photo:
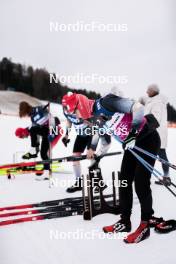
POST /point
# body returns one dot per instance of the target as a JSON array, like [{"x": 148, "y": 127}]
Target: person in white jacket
[{"x": 156, "y": 104}]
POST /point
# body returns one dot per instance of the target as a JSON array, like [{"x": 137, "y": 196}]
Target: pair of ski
[
  {"x": 39, "y": 165},
  {"x": 43, "y": 210}
]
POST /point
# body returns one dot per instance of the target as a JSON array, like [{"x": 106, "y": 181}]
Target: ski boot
[
  {"x": 33, "y": 153},
  {"x": 76, "y": 187},
  {"x": 166, "y": 226},
  {"x": 120, "y": 226},
  {"x": 141, "y": 233},
  {"x": 42, "y": 175},
  {"x": 165, "y": 181},
  {"x": 155, "y": 221}
]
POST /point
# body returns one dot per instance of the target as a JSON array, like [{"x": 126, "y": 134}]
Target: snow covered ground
[
  {"x": 9, "y": 101},
  {"x": 80, "y": 241}
]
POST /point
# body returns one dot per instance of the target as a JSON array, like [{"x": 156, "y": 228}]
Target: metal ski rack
[{"x": 102, "y": 206}]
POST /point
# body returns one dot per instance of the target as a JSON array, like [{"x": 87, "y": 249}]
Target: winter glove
[
  {"x": 65, "y": 141},
  {"x": 22, "y": 132},
  {"x": 90, "y": 153},
  {"x": 130, "y": 141}
]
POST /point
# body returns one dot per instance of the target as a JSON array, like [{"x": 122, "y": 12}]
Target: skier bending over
[
  {"x": 40, "y": 117},
  {"x": 129, "y": 124},
  {"x": 82, "y": 141}
]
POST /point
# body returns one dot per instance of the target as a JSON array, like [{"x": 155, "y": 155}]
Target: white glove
[{"x": 130, "y": 141}]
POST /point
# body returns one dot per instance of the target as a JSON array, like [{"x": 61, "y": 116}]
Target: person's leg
[
  {"x": 79, "y": 147},
  {"x": 34, "y": 144},
  {"x": 166, "y": 178},
  {"x": 44, "y": 148},
  {"x": 143, "y": 190},
  {"x": 150, "y": 143},
  {"x": 126, "y": 176},
  {"x": 125, "y": 195},
  {"x": 163, "y": 155},
  {"x": 44, "y": 132},
  {"x": 34, "y": 132},
  {"x": 142, "y": 177}
]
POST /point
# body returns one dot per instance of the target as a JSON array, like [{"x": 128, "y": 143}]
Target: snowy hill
[
  {"x": 80, "y": 241},
  {"x": 9, "y": 101}
]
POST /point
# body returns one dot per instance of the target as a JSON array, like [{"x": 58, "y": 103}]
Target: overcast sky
[{"x": 145, "y": 53}]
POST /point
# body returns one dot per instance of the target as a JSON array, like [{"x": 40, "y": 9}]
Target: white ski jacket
[{"x": 157, "y": 106}]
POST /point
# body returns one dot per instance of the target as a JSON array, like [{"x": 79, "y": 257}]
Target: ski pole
[
  {"x": 149, "y": 154},
  {"x": 147, "y": 165},
  {"x": 50, "y": 149},
  {"x": 152, "y": 170},
  {"x": 156, "y": 157}
]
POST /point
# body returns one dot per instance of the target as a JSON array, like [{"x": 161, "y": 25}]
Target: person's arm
[
  {"x": 66, "y": 139},
  {"x": 95, "y": 138},
  {"x": 143, "y": 100},
  {"x": 138, "y": 114},
  {"x": 93, "y": 146},
  {"x": 156, "y": 110},
  {"x": 45, "y": 106},
  {"x": 68, "y": 127}
]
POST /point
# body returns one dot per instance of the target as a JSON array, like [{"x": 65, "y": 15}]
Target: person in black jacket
[
  {"x": 125, "y": 119},
  {"x": 41, "y": 120}
]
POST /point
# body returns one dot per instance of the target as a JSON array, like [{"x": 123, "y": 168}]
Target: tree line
[{"x": 36, "y": 82}]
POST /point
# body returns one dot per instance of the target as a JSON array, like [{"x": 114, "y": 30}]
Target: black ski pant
[
  {"x": 42, "y": 131},
  {"x": 133, "y": 170},
  {"x": 163, "y": 155}
]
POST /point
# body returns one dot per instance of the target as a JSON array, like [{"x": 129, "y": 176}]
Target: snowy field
[{"x": 31, "y": 243}]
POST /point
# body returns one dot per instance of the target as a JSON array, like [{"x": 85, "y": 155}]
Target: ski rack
[{"x": 90, "y": 208}]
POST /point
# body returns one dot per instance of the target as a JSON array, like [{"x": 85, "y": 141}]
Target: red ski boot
[
  {"x": 141, "y": 233},
  {"x": 120, "y": 226},
  {"x": 154, "y": 221}
]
